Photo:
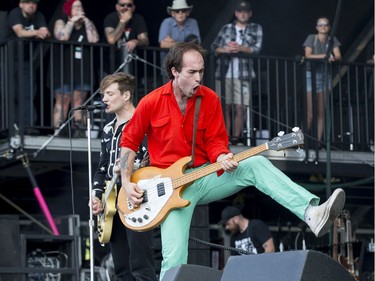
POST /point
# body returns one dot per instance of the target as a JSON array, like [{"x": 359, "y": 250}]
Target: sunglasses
[
  {"x": 128, "y": 5},
  {"x": 323, "y": 24},
  {"x": 180, "y": 11}
]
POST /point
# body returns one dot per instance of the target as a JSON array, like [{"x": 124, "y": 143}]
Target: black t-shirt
[
  {"x": 33, "y": 23},
  {"x": 16, "y": 17},
  {"x": 74, "y": 60},
  {"x": 132, "y": 29},
  {"x": 252, "y": 238}
]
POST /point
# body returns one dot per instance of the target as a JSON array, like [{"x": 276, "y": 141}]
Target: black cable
[{"x": 218, "y": 246}]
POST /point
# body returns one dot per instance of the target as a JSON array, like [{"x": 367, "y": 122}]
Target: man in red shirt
[{"x": 166, "y": 116}]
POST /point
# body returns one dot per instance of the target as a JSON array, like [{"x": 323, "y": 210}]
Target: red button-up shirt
[{"x": 170, "y": 133}]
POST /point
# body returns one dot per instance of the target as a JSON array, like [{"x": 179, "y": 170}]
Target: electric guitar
[
  {"x": 163, "y": 187},
  {"x": 105, "y": 219}
]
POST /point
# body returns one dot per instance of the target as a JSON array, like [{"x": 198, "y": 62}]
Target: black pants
[{"x": 132, "y": 252}]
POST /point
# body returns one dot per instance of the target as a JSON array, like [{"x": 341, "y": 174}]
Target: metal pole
[{"x": 91, "y": 221}]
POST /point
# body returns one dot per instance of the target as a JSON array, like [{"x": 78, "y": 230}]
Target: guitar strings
[{"x": 199, "y": 173}]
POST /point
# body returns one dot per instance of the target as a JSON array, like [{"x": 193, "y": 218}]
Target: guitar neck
[
  {"x": 349, "y": 242},
  {"x": 110, "y": 186},
  {"x": 212, "y": 168}
]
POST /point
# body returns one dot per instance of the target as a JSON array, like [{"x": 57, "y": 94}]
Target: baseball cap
[
  {"x": 243, "y": 6},
  {"x": 228, "y": 213}
]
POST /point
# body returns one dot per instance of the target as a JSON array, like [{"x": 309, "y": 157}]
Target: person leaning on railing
[
  {"x": 241, "y": 36},
  {"x": 26, "y": 22},
  {"x": 125, "y": 29},
  {"x": 76, "y": 27},
  {"x": 315, "y": 48}
]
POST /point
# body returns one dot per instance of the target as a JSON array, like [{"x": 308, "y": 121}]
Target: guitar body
[
  {"x": 105, "y": 219},
  {"x": 163, "y": 195}
]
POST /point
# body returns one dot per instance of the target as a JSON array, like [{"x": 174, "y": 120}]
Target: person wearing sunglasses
[
  {"x": 315, "y": 48},
  {"x": 126, "y": 28},
  {"x": 178, "y": 27}
]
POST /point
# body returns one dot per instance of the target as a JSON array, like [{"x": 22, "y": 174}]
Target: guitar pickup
[
  {"x": 161, "y": 189},
  {"x": 144, "y": 196}
]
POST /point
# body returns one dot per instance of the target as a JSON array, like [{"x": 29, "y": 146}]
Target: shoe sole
[{"x": 334, "y": 208}]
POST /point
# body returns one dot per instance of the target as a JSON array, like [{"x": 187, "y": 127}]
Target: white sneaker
[{"x": 320, "y": 218}]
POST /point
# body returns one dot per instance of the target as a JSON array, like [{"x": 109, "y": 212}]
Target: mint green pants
[{"x": 255, "y": 171}]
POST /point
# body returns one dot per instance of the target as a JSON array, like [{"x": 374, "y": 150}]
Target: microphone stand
[
  {"x": 126, "y": 61},
  {"x": 327, "y": 102},
  {"x": 91, "y": 221}
]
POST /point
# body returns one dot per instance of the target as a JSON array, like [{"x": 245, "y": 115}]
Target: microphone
[{"x": 91, "y": 107}]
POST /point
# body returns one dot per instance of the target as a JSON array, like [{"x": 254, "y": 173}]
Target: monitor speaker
[
  {"x": 10, "y": 246},
  {"x": 285, "y": 266},
  {"x": 192, "y": 272}
]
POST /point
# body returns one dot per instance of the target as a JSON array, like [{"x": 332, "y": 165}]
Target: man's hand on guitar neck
[
  {"x": 134, "y": 193},
  {"x": 227, "y": 162},
  {"x": 97, "y": 206}
]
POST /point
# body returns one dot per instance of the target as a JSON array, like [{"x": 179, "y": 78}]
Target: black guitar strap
[{"x": 196, "y": 116}]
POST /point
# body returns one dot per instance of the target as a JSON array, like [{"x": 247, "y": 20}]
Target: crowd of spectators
[{"x": 126, "y": 29}]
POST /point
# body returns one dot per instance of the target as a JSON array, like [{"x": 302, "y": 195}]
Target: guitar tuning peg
[
  {"x": 295, "y": 129},
  {"x": 300, "y": 151},
  {"x": 281, "y": 133}
]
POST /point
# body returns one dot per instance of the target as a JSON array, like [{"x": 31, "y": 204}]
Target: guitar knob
[
  {"x": 146, "y": 217},
  {"x": 134, "y": 220},
  {"x": 140, "y": 220}
]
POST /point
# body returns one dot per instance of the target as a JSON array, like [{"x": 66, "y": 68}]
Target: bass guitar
[
  {"x": 163, "y": 187},
  {"x": 105, "y": 219}
]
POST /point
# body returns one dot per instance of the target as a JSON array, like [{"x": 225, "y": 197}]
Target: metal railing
[{"x": 277, "y": 100}]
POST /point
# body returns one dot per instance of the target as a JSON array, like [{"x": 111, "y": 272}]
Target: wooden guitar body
[
  {"x": 105, "y": 219},
  {"x": 154, "y": 212}
]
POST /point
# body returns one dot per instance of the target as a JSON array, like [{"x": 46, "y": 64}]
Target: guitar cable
[{"x": 218, "y": 246}]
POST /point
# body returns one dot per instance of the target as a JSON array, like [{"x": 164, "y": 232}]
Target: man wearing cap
[
  {"x": 179, "y": 27},
  {"x": 240, "y": 36},
  {"x": 252, "y": 236},
  {"x": 25, "y": 21}
]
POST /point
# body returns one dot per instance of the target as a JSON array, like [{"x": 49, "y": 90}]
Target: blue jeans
[
  {"x": 319, "y": 85},
  {"x": 255, "y": 171}
]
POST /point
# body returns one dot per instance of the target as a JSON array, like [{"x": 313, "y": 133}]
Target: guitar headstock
[{"x": 286, "y": 141}]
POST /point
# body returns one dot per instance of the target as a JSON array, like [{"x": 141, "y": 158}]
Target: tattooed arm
[
  {"x": 133, "y": 192},
  {"x": 92, "y": 33}
]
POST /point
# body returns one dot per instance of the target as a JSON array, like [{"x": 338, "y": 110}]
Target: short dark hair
[
  {"x": 175, "y": 55},
  {"x": 125, "y": 81}
]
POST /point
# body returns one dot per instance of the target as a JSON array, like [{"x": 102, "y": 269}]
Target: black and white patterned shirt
[{"x": 110, "y": 151}]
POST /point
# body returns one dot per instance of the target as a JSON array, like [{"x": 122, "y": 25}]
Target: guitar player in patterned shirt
[{"x": 132, "y": 251}]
